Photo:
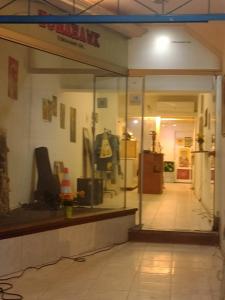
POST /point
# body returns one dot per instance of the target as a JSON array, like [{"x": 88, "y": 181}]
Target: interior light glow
[
  {"x": 177, "y": 119},
  {"x": 157, "y": 125},
  {"x": 162, "y": 43},
  {"x": 135, "y": 121}
]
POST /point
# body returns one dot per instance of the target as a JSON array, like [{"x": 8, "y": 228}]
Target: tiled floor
[
  {"x": 132, "y": 271},
  {"x": 175, "y": 209}
]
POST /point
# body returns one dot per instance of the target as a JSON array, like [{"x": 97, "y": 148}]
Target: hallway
[
  {"x": 132, "y": 271},
  {"x": 176, "y": 209}
]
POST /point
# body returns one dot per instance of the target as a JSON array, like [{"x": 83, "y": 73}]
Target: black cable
[
  {"x": 4, "y": 291},
  {"x": 4, "y": 294}
]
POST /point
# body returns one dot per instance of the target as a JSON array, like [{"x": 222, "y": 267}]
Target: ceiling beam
[
  {"x": 197, "y": 72},
  {"x": 111, "y": 19}
]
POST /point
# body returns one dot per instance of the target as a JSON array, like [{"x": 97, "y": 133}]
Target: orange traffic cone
[{"x": 66, "y": 192}]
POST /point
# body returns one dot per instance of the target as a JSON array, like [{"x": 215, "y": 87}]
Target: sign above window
[{"x": 73, "y": 31}]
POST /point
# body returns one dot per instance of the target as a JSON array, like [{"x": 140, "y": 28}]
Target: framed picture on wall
[
  {"x": 206, "y": 118},
  {"x": 54, "y": 106},
  {"x": 72, "y": 125},
  {"x": 62, "y": 115},
  {"x": 102, "y": 102},
  {"x": 45, "y": 110},
  {"x": 49, "y": 110},
  {"x": 184, "y": 157}
]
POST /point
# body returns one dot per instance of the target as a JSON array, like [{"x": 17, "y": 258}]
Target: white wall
[
  {"x": 186, "y": 83},
  {"x": 26, "y": 130},
  {"x": 50, "y": 134},
  {"x": 168, "y": 136},
  {"x": 15, "y": 118},
  {"x": 204, "y": 189},
  {"x": 181, "y": 51}
]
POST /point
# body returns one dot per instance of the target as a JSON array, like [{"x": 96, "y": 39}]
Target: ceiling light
[
  {"x": 135, "y": 121},
  {"x": 161, "y": 43}
]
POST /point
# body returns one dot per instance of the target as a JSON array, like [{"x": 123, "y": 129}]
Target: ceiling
[
  {"x": 210, "y": 34},
  {"x": 145, "y": 6}
]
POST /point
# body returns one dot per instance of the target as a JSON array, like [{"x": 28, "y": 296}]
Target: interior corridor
[
  {"x": 132, "y": 271},
  {"x": 176, "y": 209}
]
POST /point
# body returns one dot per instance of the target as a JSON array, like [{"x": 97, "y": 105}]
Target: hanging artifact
[{"x": 153, "y": 135}]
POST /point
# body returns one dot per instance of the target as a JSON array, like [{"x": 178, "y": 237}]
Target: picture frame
[
  {"x": 45, "y": 109},
  {"x": 72, "y": 125},
  {"x": 54, "y": 105},
  {"x": 102, "y": 102},
  {"x": 62, "y": 118},
  {"x": 206, "y": 118}
]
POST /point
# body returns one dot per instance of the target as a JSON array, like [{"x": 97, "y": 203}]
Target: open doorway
[{"x": 178, "y": 159}]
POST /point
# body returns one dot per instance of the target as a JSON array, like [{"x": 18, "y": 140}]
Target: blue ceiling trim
[{"x": 111, "y": 19}]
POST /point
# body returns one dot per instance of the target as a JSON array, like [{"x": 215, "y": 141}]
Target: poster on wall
[
  {"x": 45, "y": 109},
  {"x": 54, "y": 106},
  {"x": 102, "y": 102},
  {"x": 184, "y": 158},
  {"x": 183, "y": 174},
  {"x": 13, "y": 69},
  {"x": 169, "y": 166},
  {"x": 62, "y": 115},
  {"x": 206, "y": 118},
  {"x": 188, "y": 141},
  {"x": 72, "y": 125},
  {"x": 50, "y": 110}
]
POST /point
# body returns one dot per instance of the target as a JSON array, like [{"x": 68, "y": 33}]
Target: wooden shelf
[{"x": 210, "y": 153}]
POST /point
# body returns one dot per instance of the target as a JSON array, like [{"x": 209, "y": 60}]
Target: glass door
[{"x": 109, "y": 125}]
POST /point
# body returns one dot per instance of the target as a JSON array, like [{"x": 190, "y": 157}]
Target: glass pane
[
  {"x": 45, "y": 135},
  {"x": 110, "y": 121},
  {"x": 133, "y": 141}
]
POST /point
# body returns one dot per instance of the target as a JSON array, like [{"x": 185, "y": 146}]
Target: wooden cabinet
[{"x": 152, "y": 173}]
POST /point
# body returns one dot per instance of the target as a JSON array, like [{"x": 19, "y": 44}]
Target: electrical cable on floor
[{"x": 5, "y": 286}]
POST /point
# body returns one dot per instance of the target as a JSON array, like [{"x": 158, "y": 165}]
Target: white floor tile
[
  {"x": 130, "y": 272},
  {"x": 176, "y": 209}
]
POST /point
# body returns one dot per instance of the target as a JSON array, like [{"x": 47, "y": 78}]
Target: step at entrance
[{"x": 176, "y": 237}]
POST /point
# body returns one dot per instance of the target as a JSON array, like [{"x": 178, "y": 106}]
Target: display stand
[{"x": 152, "y": 173}]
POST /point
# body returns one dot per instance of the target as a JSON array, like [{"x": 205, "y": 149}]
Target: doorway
[{"x": 174, "y": 134}]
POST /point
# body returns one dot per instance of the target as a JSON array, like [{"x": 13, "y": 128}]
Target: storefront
[{"x": 65, "y": 90}]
